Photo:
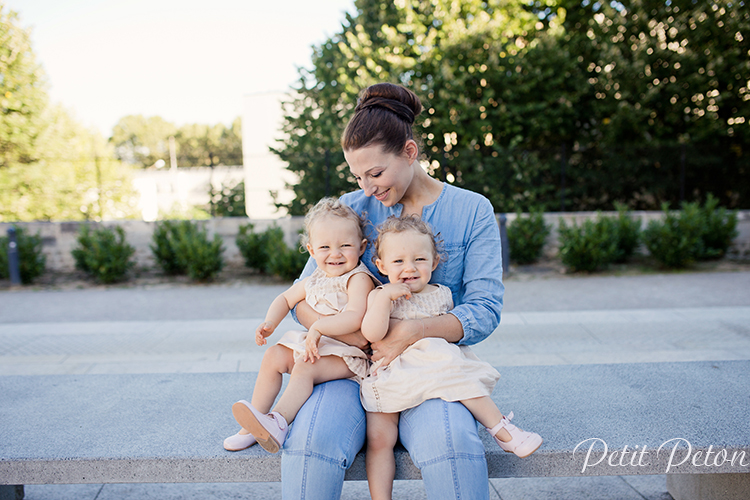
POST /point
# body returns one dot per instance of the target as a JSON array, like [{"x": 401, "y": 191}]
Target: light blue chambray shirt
[{"x": 465, "y": 223}]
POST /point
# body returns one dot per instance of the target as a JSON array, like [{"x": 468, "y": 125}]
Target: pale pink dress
[
  {"x": 327, "y": 295},
  {"x": 428, "y": 369}
]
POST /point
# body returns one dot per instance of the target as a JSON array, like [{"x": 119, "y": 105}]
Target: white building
[{"x": 264, "y": 172}]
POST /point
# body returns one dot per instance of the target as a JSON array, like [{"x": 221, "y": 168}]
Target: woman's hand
[
  {"x": 311, "y": 345},
  {"x": 401, "y": 334},
  {"x": 264, "y": 330}
]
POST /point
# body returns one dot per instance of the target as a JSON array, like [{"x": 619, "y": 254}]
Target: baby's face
[
  {"x": 407, "y": 257},
  {"x": 335, "y": 245}
]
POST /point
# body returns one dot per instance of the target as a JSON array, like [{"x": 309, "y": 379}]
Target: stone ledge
[{"x": 169, "y": 427}]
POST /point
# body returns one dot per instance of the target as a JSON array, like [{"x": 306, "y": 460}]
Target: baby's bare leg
[
  {"x": 489, "y": 415},
  {"x": 305, "y": 375},
  {"x": 382, "y": 434},
  {"x": 277, "y": 360}
]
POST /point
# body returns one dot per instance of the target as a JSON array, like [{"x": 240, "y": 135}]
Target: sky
[{"x": 187, "y": 61}]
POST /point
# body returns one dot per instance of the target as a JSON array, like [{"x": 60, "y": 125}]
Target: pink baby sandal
[
  {"x": 239, "y": 442},
  {"x": 270, "y": 430},
  {"x": 522, "y": 443}
]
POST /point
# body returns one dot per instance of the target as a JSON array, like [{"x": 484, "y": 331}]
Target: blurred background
[
  {"x": 154, "y": 110},
  {"x": 166, "y": 110}
]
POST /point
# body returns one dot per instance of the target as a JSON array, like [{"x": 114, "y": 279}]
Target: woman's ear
[{"x": 411, "y": 150}]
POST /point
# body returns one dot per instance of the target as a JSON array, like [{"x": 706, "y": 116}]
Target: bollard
[
  {"x": 15, "y": 274},
  {"x": 505, "y": 248}
]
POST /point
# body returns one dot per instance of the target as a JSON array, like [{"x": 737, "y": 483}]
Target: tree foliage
[
  {"x": 23, "y": 94},
  {"x": 75, "y": 177},
  {"x": 51, "y": 167},
  {"x": 143, "y": 141},
  {"x": 534, "y": 103}
]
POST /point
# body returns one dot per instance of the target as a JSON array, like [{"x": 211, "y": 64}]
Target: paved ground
[{"x": 547, "y": 320}]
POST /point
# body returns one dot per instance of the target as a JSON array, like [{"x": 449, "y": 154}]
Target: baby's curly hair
[
  {"x": 331, "y": 206},
  {"x": 410, "y": 222}
]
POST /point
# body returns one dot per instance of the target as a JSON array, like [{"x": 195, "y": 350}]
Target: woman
[{"x": 441, "y": 437}]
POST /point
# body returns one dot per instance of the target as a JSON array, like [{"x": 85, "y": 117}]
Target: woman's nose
[{"x": 368, "y": 188}]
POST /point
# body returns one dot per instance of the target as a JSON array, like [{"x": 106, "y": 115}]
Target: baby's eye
[
  {"x": 397, "y": 261},
  {"x": 421, "y": 259}
]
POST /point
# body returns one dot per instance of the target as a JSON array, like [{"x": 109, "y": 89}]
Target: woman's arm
[
  {"x": 480, "y": 302},
  {"x": 403, "y": 333}
]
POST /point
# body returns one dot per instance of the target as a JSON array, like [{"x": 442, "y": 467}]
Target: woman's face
[{"x": 386, "y": 176}]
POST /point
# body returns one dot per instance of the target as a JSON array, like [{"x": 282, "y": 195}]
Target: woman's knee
[
  {"x": 437, "y": 429},
  {"x": 330, "y": 423}
]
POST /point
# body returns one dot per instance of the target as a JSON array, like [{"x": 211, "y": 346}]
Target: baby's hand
[
  {"x": 397, "y": 290},
  {"x": 264, "y": 330},
  {"x": 311, "y": 345}
]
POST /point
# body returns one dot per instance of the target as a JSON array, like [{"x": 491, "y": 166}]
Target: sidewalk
[{"x": 560, "y": 320}]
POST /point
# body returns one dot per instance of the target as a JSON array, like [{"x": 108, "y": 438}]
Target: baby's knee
[
  {"x": 278, "y": 358},
  {"x": 382, "y": 435}
]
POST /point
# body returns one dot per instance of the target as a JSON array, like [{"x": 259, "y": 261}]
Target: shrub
[
  {"x": 164, "y": 248},
  {"x": 676, "y": 241},
  {"x": 283, "y": 261},
  {"x": 628, "y": 233},
  {"x": 31, "y": 259},
  {"x": 590, "y": 246},
  {"x": 526, "y": 236},
  {"x": 719, "y": 229},
  {"x": 103, "y": 253},
  {"x": 253, "y": 247},
  {"x": 184, "y": 248}
]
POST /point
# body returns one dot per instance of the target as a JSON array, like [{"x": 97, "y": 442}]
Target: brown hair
[
  {"x": 384, "y": 115},
  {"x": 331, "y": 206},
  {"x": 409, "y": 222}
]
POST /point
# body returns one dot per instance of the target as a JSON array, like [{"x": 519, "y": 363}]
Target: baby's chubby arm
[
  {"x": 278, "y": 310},
  {"x": 377, "y": 318},
  {"x": 350, "y": 319},
  {"x": 347, "y": 321}
]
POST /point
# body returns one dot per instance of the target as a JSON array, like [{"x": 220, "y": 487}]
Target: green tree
[
  {"x": 209, "y": 145},
  {"x": 142, "y": 141},
  {"x": 23, "y": 95},
  {"x": 75, "y": 177},
  {"x": 530, "y": 102}
]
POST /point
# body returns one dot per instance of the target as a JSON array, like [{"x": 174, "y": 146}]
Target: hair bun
[{"x": 399, "y": 108}]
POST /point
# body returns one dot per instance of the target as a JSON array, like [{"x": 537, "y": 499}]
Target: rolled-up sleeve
[{"x": 481, "y": 300}]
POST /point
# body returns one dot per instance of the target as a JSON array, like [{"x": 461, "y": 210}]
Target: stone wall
[{"x": 60, "y": 237}]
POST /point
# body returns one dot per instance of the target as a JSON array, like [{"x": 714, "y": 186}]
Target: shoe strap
[
  {"x": 503, "y": 423},
  {"x": 279, "y": 418}
]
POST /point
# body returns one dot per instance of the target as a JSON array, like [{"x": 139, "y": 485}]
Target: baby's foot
[
  {"x": 514, "y": 440},
  {"x": 239, "y": 441},
  {"x": 270, "y": 430}
]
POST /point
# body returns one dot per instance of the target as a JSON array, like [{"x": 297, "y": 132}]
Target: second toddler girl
[{"x": 431, "y": 367}]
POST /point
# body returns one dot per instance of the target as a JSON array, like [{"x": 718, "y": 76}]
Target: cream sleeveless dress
[
  {"x": 327, "y": 295},
  {"x": 428, "y": 369}
]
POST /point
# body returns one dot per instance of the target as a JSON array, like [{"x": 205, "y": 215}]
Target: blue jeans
[{"x": 329, "y": 430}]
